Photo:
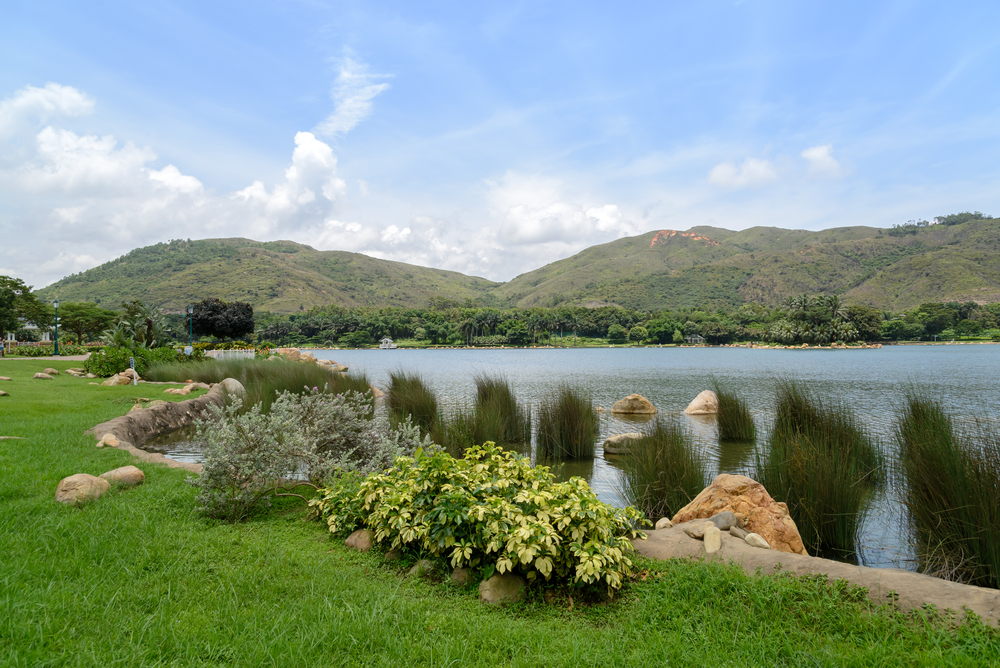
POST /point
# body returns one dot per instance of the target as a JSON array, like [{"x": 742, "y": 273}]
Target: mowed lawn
[{"x": 138, "y": 578}]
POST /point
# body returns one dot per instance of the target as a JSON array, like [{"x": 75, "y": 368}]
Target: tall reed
[
  {"x": 825, "y": 466},
  {"x": 567, "y": 426},
  {"x": 734, "y": 419},
  {"x": 661, "y": 473},
  {"x": 951, "y": 490},
  {"x": 262, "y": 378},
  {"x": 409, "y": 396},
  {"x": 495, "y": 416}
]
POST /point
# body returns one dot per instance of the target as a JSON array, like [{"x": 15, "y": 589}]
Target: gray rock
[
  {"x": 725, "y": 520},
  {"x": 500, "y": 589},
  {"x": 697, "y": 529},
  {"x": 663, "y": 523},
  {"x": 461, "y": 576},
  {"x": 713, "y": 539},
  {"x": 78, "y": 489},
  {"x": 360, "y": 540},
  {"x": 234, "y": 387},
  {"x": 126, "y": 476},
  {"x": 423, "y": 568},
  {"x": 91, "y": 375},
  {"x": 43, "y": 376},
  {"x": 737, "y": 532},
  {"x": 756, "y": 540}
]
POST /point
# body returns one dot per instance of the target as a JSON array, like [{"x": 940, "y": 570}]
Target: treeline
[{"x": 803, "y": 319}]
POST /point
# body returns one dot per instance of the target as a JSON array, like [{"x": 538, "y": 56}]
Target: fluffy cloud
[
  {"x": 821, "y": 161},
  {"x": 352, "y": 98},
  {"x": 751, "y": 173},
  {"x": 32, "y": 105}
]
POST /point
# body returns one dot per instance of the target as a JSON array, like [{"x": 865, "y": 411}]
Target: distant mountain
[{"x": 704, "y": 267}]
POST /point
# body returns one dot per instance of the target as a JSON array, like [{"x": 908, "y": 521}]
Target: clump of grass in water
[
  {"x": 951, "y": 486},
  {"x": 567, "y": 426},
  {"x": 735, "y": 421},
  {"x": 409, "y": 396},
  {"x": 825, "y": 466},
  {"x": 496, "y": 416},
  {"x": 661, "y": 473},
  {"x": 263, "y": 379}
]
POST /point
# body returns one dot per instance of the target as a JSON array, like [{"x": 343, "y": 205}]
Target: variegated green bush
[{"x": 490, "y": 510}]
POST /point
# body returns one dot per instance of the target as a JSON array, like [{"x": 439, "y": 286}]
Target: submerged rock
[
  {"x": 634, "y": 404},
  {"x": 706, "y": 403}
]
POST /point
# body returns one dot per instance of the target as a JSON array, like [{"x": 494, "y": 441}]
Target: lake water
[{"x": 872, "y": 381}]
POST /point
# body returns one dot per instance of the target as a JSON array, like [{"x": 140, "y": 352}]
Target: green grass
[
  {"x": 495, "y": 416},
  {"x": 824, "y": 465},
  {"x": 138, "y": 579},
  {"x": 952, "y": 482},
  {"x": 734, "y": 419},
  {"x": 661, "y": 473},
  {"x": 567, "y": 426},
  {"x": 409, "y": 396},
  {"x": 264, "y": 378}
]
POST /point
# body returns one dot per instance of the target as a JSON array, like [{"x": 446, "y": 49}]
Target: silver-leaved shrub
[
  {"x": 317, "y": 436},
  {"x": 490, "y": 510}
]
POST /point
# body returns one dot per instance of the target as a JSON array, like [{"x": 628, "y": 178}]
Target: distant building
[{"x": 386, "y": 344}]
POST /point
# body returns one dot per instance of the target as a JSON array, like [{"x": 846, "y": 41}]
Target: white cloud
[
  {"x": 32, "y": 105},
  {"x": 821, "y": 160},
  {"x": 352, "y": 97},
  {"x": 751, "y": 173}
]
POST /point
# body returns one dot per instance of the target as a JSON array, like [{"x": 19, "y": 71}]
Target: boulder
[
  {"x": 725, "y": 520},
  {"x": 117, "y": 379},
  {"x": 109, "y": 440},
  {"x": 706, "y": 403},
  {"x": 634, "y": 404},
  {"x": 755, "y": 540},
  {"x": 663, "y": 523},
  {"x": 338, "y": 368},
  {"x": 126, "y": 476},
  {"x": 360, "y": 540},
  {"x": 91, "y": 375},
  {"x": 80, "y": 488},
  {"x": 75, "y": 369},
  {"x": 289, "y": 353},
  {"x": 130, "y": 374},
  {"x": 393, "y": 555},
  {"x": 4, "y": 394},
  {"x": 156, "y": 402},
  {"x": 500, "y": 589},
  {"x": 136, "y": 407},
  {"x": 737, "y": 532},
  {"x": 43, "y": 376},
  {"x": 423, "y": 568},
  {"x": 461, "y": 577},
  {"x": 697, "y": 529},
  {"x": 234, "y": 388},
  {"x": 713, "y": 539},
  {"x": 52, "y": 372},
  {"x": 617, "y": 444},
  {"x": 750, "y": 502},
  {"x": 376, "y": 393}
]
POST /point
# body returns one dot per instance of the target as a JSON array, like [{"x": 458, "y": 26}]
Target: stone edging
[
  {"x": 136, "y": 427},
  {"x": 904, "y": 590}
]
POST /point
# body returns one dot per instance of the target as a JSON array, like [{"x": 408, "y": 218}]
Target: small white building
[{"x": 386, "y": 344}]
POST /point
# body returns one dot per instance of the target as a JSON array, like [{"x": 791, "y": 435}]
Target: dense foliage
[
  {"x": 85, "y": 319},
  {"x": 19, "y": 305},
  {"x": 223, "y": 320},
  {"x": 489, "y": 510},
  {"x": 112, "y": 360}
]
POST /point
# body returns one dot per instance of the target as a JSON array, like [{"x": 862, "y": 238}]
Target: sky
[{"x": 486, "y": 138}]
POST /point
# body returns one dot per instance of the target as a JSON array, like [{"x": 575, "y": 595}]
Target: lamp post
[
  {"x": 190, "y": 325},
  {"x": 56, "y": 346}
]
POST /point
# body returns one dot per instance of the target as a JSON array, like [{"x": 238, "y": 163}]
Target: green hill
[{"x": 704, "y": 267}]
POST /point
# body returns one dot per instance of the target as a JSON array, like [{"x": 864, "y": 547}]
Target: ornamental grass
[{"x": 567, "y": 426}]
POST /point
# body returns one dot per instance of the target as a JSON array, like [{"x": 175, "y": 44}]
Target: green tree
[
  {"x": 866, "y": 320},
  {"x": 616, "y": 334},
  {"x": 85, "y": 319},
  {"x": 678, "y": 336},
  {"x": 17, "y": 303},
  {"x": 223, "y": 320},
  {"x": 638, "y": 334}
]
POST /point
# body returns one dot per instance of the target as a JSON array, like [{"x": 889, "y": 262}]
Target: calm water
[{"x": 873, "y": 382}]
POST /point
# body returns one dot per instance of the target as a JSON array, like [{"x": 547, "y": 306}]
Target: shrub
[
  {"x": 616, "y": 334},
  {"x": 661, "y": 473},
  {"x": 409, "y": 397},
  {"x": 638, "y": 334},
  {"x": 951, "y": 486},
  {"x": 567, "y": 426},
  {"x": 734, "y": 419},
  {"x": 46, "y": 351},
  {"x": 112, "y": 360},
  {"x": 491, "y": 510},
  {"x": 824, "y": 465},
  {"x": 249, "y": 455}
]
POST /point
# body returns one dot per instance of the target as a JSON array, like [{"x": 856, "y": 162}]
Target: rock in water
[
  {"x": 291, "y": 354},
  {"x": 634, "y": 404},
  {"x": 617, "y": 444},
  {"x": 80, "y": 488},
  {"x": 360, "y": 540},
  {"x": 126, "y": 476},
  {"x": 750, "y": 502},
  {"x": 713, "y": 539},
  {"x": 706, "y": 403},
  {"x": 499, "y": 589}
]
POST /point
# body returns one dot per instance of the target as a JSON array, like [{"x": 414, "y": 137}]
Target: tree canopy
[{"x": 223, "y": 320}]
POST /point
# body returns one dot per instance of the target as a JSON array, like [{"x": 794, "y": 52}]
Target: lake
[{"x": 871, "y": 381}]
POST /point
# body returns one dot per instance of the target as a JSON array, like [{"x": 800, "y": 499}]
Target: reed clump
[
  {"x": 951, "y": 490},
  {"x": 496, "y": 416},
  {"x": 409, "y": 396},
  {"x": 661, "y": 473},
  {"x": 568, "y": 426},
  {"x": 734, "y": 419},
  {"x": 825, "y": 466},
  {"x": 263, "y": 378}
]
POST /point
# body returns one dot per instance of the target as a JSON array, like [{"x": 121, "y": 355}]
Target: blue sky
[{"x": 485, "y": 138}]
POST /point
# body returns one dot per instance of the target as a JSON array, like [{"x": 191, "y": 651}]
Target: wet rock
[
  {"x": 126, "y": 476},
  {"x": 500, "y": 589},
  {"x": 749, "y": 501},
  {"x": 713, "y": 539},
  {"x": 634, "y": 404},
  {"x": 706, "y": 403},
  {"x": 618, "y": 444},
  {"x": 663, "y": 523},
  {"x": 755, "y": 540},
  {"x": 360, "y": 540},
  {"x": 78, "y": 489}
]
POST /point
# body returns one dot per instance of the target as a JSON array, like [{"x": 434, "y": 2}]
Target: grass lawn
[{"x": 137, "y": 578}]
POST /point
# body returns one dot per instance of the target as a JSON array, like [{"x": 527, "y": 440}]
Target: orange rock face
[{"x": 750, "y": 501}]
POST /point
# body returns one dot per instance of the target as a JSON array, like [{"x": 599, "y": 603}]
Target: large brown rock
[
  {"x": 126, "y": 476},
  {"x": 290, "y": 353},
  {"x": 360, "y": 540},
  {"x": 634, "y": 404},
  {"x": 117, "y": 379},
  {"x": 748, "y": 499},
  {"x": 52, "y": 372},
  {"x": 43, "y": 376},
  {"x": 706, "y": 403},
  {"x": 234, "y": 388},
  {"x": 80, "y": 488}
]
